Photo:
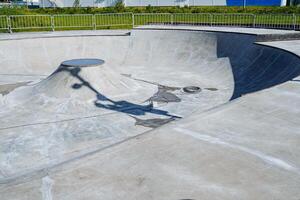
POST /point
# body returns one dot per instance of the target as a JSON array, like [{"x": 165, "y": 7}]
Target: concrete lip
[{"x": 83, "y": 62}]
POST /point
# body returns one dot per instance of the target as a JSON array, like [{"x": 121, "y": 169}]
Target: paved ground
[{"x": 93, "y": 133}]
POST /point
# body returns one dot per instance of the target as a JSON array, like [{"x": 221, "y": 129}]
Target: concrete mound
[
  {"x": 67, "y": 79},
  {"x": 84, "y": 83}
]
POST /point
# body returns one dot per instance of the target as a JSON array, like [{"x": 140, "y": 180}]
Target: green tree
[
  {"x": 149, "y": 9},
  {"x": 119, "y": 6}
]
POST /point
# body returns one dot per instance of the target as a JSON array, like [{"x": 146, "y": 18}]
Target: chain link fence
[{"x": 17, "y": 23}]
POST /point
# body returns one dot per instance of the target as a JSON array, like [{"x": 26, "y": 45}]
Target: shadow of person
[{"x": 106, "y": 103}]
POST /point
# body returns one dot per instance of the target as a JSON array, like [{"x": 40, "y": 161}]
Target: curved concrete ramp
[
  {"x": 256, "y": 67},
  {"x": 129, "y": 125}
]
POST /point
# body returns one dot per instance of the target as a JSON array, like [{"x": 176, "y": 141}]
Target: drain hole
[
  {"x": 192, "y": 89},
  {"x": 211, "y": 89}
]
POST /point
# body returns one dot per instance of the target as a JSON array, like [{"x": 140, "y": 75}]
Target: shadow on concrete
[
  {"x": 296, "y": 80},
  {"x": 120, "y": 106},
  {"x": 256, "y": 67}
]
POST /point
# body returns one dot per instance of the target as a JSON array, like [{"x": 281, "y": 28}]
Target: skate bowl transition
[{"x": 149, "y": 114}]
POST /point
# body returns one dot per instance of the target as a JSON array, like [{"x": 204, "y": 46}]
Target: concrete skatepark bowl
[{"x": 154, "y": 114}]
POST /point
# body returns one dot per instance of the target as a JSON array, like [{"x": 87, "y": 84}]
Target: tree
[
  {"x": 76, "y": 3},
  {"x": 149, "y": 8},
  {"x": 119, "y": 6}
]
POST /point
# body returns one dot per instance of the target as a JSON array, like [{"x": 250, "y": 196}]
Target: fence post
[
  {"x": 133, "y": 18},
  {"x": 172, "y": 18},
  {"x": 254, "y": 21},
  {"x": 294, "y": 21},
  {"x": 9, "y": 24},
  {"x": 94, "y": 22},
  {"x": 211, "y": 18},
  {"x": 52, "y": 23}
]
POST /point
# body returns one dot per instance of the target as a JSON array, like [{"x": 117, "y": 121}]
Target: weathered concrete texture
[{"x": 95, "y": 132}]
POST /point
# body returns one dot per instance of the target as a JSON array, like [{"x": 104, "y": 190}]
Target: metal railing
[
  {"x": 73, "y": 21},
  {"x": 237, "y": 20},
  {"x": 29, "y": 22},
  {"x": 283, "y": 21},
  {"x": 197, "y": 19},
  {"x": 3, "y": 22},
  {"x": 272, "y": 21},
  {"x": 129, "y": 20},
  {"x": 113, "y": 20},
  {"x": 153, "y": 18},
  {"x": 296, "y": 22}
]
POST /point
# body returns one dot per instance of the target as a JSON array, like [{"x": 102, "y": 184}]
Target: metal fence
[
  {"x": 276, "y": 21},
  {"x": 272, "y": 21},
  {"x": 113, "y": 20},
  {"x": 238, "y": 20},
  {"x": 297, "y": 22},
  {"x": 153, "y": 18},
  {"x": 130, "y": 20},
  {"x": 73, "y": 21},
  {"x": 3, "y": 22},
  {"x": 20, "y": 22},
  {"x": 200, "y": 19}
]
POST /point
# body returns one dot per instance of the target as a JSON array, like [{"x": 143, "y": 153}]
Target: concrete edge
[
  {"x": 259, "y": 37},
  {"x": 62, "y": 34}
]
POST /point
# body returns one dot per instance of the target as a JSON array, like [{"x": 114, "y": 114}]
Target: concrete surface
[
  {"x": 251, "y": 31},
  {"x": 127, "y": 130}
]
